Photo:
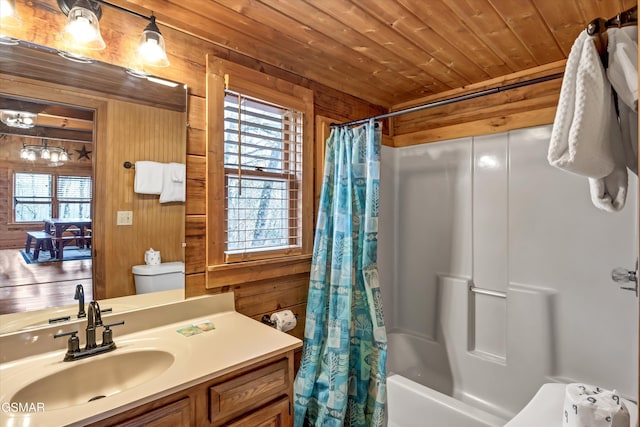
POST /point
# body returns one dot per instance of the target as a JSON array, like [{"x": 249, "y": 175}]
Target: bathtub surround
[
  {"x": 490, "y": 212},
  {"x": 342, "y": 376}
]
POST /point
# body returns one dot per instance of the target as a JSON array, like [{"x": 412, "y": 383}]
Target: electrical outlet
[{"x": 124, "y": 218}]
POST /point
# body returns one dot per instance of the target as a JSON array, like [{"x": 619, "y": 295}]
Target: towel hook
[{"x": 128, "y": 165}]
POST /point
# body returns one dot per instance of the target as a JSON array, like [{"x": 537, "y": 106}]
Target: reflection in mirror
[
  {"x": 66, "y": 130},
  {"x": 47, "y": 152}
]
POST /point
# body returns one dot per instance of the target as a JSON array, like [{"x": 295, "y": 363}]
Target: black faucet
[
  {"x": 94, "y": 320},
  {"x": 80, "y": 297}
]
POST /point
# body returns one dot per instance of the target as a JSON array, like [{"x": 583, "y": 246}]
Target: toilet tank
[{"x": 160, "y": 277}]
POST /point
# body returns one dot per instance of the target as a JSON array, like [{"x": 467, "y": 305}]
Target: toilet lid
[{"x": 545, "y": 409}]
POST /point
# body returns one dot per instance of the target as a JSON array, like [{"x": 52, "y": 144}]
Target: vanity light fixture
[
  {"x": 83, "y": 28},
  {"x": 9, "y": 14},
  {"x": 18, "y": 119},
  {"x": 151, "y": 49}
]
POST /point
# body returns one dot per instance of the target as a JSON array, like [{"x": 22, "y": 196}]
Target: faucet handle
[
  {"x": 73, "y": 345},
  {"x": 107, "y": 334}
]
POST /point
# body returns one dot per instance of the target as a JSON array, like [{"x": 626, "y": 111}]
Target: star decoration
[{"x": 83, "y": 153}]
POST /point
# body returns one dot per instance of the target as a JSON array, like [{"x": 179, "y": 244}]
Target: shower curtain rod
[{"x": 455, "y": 99}]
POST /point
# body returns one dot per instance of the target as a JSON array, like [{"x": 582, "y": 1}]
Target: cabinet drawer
[
  {"x": 176, "y": 414},
  {"x": 248, "y": 391},
  {"x": 273, "y": 415}
]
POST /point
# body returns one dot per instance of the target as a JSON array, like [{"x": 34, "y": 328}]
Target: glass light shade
[
  {"x": 31, "y": 155},
  {"x": 9, "y": 14},
  {"x": 83, "y": 29},
  {"x": 18, "y": 119},
  {"x": 55, "y": 157},
  {"x": 24, "y": 153},
  {"x": 64, "y": 156},
  {"x": 151, "y": 48},
  {"x": 45, "y": 154}
]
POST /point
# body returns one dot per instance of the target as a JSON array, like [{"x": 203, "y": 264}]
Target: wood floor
[{"x": 27, "y": 287}]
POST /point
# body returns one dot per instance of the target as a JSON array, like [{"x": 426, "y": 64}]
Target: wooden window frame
[
  {"x": 224, "y": 270},
  {"x": 55, "y": 202}
]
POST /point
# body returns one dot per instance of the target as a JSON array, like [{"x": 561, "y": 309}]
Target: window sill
[{"x": 251, "y": 271}]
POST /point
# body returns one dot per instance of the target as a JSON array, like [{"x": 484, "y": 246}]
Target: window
[
  {"x": 37, "y": 196},
  {"x": 260, "y": 175},
  {"x": 263, "y": 165}
]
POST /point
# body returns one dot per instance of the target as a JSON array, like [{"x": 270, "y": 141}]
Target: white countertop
[{"x": 236, "y": 341}]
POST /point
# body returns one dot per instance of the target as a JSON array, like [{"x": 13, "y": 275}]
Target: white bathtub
[
  {"x": 413, "y": 405},
  {"x": 419, "y": 388}
]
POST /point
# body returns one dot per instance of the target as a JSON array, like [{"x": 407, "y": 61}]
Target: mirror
[{"x": 101, "y": 116}]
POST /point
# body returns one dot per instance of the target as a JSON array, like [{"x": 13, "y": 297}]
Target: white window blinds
[
  {"x": 263, "y": 175},
  {"x": 32, "y": 196}
]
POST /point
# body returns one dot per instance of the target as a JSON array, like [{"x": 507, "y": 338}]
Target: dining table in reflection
[{"x": 78, "y": 231}]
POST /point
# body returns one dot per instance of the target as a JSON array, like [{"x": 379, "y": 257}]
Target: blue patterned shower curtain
[{"x": 342, "y": 376}]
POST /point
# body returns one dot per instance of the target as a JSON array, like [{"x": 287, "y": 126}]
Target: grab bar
[{"x": 489, "y": 292}]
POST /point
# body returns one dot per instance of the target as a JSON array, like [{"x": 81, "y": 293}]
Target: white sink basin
[{"x": 95, "y": 378}]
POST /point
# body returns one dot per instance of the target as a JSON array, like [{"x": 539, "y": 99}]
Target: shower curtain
[{"x": 342, "y": 375}]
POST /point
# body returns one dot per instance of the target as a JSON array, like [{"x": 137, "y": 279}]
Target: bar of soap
[
  {"x": 190, "y": 331},
  {"x": 205, "y": 326}
]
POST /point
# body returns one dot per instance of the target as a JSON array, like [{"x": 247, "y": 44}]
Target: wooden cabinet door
[
  {"x": 274, "y": 415},
  {"x": 232, "y": 398},
  {"x": 176, "y": 414}
]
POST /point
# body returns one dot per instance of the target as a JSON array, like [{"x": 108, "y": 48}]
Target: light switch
[{"x": 124, "y": 218}]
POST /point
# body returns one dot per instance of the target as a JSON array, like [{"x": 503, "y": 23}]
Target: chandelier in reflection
[{"x": 55, "y": 156}]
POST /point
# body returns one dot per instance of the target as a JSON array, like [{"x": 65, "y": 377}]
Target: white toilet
[
  {"x": 546, "y": 407},
  {"x": 161, "y": 277}
]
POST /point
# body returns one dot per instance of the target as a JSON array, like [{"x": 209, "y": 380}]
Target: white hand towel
[
  {"x": 174, "y": 183},
  {"x": 628, "y": 120},
  {"x": 623, "y": 76},
  {"x": 579, "y": 138},
  {"x": 589, "y": 406},
  {"x": 610, "y": 193},
  {"x": 623, "y": 64},
  {"x": 148, "y": 178}
]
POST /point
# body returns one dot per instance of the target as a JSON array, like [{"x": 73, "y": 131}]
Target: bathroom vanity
[{"x": 231, "y": 370}]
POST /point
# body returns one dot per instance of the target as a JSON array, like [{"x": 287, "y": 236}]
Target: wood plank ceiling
[{"x": 389, "y": 51}]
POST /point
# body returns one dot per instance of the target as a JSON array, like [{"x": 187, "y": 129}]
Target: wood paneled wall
[{"x": 513, "y": 109}]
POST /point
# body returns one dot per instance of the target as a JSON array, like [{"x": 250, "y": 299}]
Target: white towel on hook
[
  {"x": 623, "y": 76},
  {"x": 148, "y": 177},
  {"x": 174, "y": 183},
  {"x": 623, "y": 64},
  {"x": 610, "y": 193},
  {"x": 580, "y": 135}
]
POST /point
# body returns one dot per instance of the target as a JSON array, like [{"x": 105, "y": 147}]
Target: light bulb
[
  {"x": 45, "y": 154},
  {"x": 64, "y": 156},
  {"x": 55, "y": 157},
  {"x": 83, "y": 29},
  {"x": 8, "y": 14},
  {"x": 31, "y": 155},
  {"x": 24, "y": 153},
  {"x": 151, "y": 48}
]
